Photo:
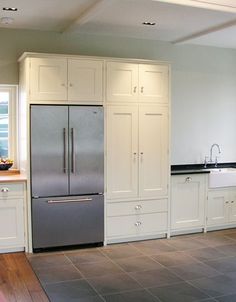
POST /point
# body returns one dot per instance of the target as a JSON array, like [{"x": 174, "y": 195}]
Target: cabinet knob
[
  {"x": 71, "y": 85},
  {"x": 4, "y": 190},
  {"x": 142, "y": 88},
  {"x": 138, "y": 207},
  {"x": 227, "y": 202},
  {"x": 138, "y": 223},
  {"x": 232, "y": 201},
  {"x": 188, "y": 179},
  {"x": 63, "y": 85},
  {"x": 135, "y": 89}
]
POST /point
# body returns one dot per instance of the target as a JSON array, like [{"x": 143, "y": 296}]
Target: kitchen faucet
[{"x": 211, "y": 151}]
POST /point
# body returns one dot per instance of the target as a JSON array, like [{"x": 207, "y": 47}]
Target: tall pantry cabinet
[{"x": 137, "y": 150}]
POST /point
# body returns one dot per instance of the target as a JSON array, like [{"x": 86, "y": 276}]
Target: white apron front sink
[{"x": 222, "y": 177}]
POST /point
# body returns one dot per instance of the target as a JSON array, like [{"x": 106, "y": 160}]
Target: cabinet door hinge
[{"x": 206, "y": 218}]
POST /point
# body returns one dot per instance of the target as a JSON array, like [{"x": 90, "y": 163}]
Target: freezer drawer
[{"x": 67, "y": 221}]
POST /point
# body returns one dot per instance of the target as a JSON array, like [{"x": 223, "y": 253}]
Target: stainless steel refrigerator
[{"x": 67, "y": 175}]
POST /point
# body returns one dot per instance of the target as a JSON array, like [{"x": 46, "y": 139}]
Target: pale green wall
[{"x": 203, "y": 83}]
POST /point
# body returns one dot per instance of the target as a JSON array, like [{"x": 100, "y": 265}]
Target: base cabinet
[
  {"x": 136, "y": 219},
  {"x": 187, "y": 201},
  {"x": 221, "y": 207},
  {"x": 11, "y": 217}
]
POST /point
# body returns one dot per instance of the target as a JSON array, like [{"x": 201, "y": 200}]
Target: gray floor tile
[
  {"x": 231, "y": 236},
  {"x": 215, "y": 240},
  {"x": 70, "y": 291},
  {"x": 109, "y": 284},
  {"x": 118, "y": 251},
  {"x": 216, "y": 286},
  {"x": 156, "y": 278},
  {"x": 134, "y": 296},
  {"x": 45, "y": 261},
  {"x": 223, "y": 265},
  {"x": 204, "y": 254},
  {"x": 228, "y": 250},
  {"x": 57, "y": 274},
  {"x": 174, "y": 258},
  {"x": 230, "y": 298},
  {"x": 184, "y": 244},
  {"x": 194, "y": 271},
  {"x": 153, "y": 247},
  {"x": 86, "y": 256},
  {"x": 178, "y": 293},
  {"x": 96, "y": 269},
  {"x": 137, "y": 264}
]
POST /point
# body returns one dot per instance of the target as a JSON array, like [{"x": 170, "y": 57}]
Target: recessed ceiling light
[
  {"x": 149, "y": 23},
  {"x": 6, "y": 20},
  {"x": 11, "y": 9}
]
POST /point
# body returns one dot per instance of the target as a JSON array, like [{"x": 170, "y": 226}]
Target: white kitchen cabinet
[
  {"x": 130, "y": 82},
  {"x": 137, "y": 151},
  {"x": 11, "y": 217},
  {"x": 187, "y": 201},
  {"x": 136, "y": 219},
  {"x": 62, "y": 79},
  {"x": 221, "y": 207},
  {"x": 153, "y": 151},
  {"x": 122, "y": 155},
  {"x": 48, "y": 79}
]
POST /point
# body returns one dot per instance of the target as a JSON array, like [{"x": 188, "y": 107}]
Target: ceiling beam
[
  {"x": 204, "y": 32},
  {"x": 205, "y": 4},
  {"x": 85, "y": 16}
]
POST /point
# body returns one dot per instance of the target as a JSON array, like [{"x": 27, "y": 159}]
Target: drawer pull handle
[
  {"x": 188, "y": 179},
  {"x": 138, "y": 223},
  {"x": 4, "y": 190},
  {"x": 138, "y": 207}
]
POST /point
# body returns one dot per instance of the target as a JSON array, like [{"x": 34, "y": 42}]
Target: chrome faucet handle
[{"x": 205, "y": 161}]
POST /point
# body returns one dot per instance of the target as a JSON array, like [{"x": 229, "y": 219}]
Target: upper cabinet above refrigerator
[{"x": 62, "y": 79}]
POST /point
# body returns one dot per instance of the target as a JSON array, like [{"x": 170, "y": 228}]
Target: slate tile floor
[{"x": 199, "y": 267}]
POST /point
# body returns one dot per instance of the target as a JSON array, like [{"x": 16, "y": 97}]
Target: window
[{"x": 8, "y": 121}]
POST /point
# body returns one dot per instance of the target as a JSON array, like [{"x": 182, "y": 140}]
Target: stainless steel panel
[
  {"x": 67, "y": 222},
  {"x": 49, "y": 150},
  {"x": 86, "y": 125}
]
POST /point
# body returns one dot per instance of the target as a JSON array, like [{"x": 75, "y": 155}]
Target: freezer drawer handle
[{"x": 70, "y": 200}]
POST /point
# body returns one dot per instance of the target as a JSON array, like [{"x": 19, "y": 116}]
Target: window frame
[{"x": 13, "y": 121}]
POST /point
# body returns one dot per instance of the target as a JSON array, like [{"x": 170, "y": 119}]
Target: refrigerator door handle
[
  {"x": 64, "y": 150},
  {"x": 72, "y": 150},
  {"x": 70, "y": 200}
]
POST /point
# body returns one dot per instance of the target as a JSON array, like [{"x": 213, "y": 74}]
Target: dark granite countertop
[{"x": 198, "y": 168}]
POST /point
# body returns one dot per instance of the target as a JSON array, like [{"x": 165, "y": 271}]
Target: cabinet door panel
[
  {"x": 187, "y": 201},
  {"x": 122, "y": 82},
  {"x": 122, "y": 144},
  {"x": 217, "y": 209},
  {"x": 153, "y": 151},
  {"x": 153, "y": 83},
  {"x": 11, "y": 223},
  {"x": 48, "y": 79},
  {"x": 85, "y": 80}
]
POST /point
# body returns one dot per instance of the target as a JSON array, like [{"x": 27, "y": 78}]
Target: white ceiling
[{"x": 204, "y": 22}]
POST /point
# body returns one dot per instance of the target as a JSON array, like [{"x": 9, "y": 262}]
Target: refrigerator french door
[{"x": 67, "y": 175}]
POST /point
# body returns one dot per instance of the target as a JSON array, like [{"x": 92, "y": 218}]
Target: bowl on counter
[{"x": 5, "y": 166}]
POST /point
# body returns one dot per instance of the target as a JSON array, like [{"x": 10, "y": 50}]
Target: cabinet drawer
[
  {"x": 11, "y": 190},
  {"x": 136, "y": 225},
  {"x": 136, "y": 207}
]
